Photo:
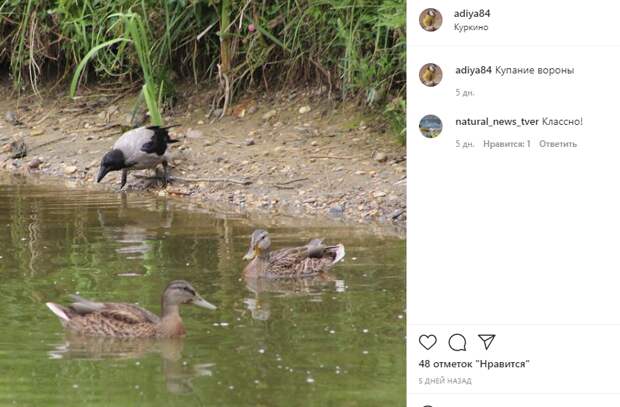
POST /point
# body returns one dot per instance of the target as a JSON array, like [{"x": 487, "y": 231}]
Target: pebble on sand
[
  {"x": 380, "y": 157},
  {"x": 269, "y": 114},
  {"x": 70, "y": 169},
  {"x": 35, "y": 163}
]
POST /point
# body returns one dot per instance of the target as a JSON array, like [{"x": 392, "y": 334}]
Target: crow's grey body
[
  {"x": 137, "y": 149},
  {"x": 131, "y": 145}
]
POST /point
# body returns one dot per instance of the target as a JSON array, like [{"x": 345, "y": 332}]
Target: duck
[
  {"x": 310, "y": 260},
  {"x": 138, "y": 149},
  {"x": 120, "y": 320}
]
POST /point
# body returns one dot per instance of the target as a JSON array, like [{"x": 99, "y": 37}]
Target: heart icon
[{"x": 427, "y": 341}]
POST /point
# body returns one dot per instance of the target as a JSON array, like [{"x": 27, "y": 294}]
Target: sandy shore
[{"x": 295, "y": 154}]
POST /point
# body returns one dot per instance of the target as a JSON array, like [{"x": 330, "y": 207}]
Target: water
[{"x": 335, "y": 343}]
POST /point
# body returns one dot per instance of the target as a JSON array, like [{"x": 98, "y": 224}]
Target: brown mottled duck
[
  {"x": 305, "y": 261},
  {"x": 90, "y": 318}
]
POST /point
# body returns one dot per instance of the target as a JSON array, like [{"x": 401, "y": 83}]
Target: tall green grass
[{"x": 354, "y": 48}]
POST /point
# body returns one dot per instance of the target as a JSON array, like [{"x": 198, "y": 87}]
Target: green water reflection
[{"x": 339, "y": 342}]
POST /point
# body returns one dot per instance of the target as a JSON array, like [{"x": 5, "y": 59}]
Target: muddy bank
[{"x": 293, "y": 153}]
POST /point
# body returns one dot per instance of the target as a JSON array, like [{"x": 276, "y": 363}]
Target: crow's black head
[{"x": 113, "y": 161}]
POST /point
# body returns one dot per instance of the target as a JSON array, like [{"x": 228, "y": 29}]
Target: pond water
[{"x": 335, "y": 343}]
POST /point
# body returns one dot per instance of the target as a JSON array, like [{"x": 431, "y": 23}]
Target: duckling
[
  {"x": 310, "y": 260},
  {"x": 138, "y": 149},
  {"x": 120, "y": 320}
]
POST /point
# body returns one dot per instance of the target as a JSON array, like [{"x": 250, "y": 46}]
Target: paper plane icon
[{"x": 487, "y": 340}]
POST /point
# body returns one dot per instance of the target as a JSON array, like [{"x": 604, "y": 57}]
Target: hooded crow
[{"x": 137, "y": 149}]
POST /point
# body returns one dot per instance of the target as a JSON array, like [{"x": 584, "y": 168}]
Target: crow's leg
[
  {"x": 123, "y": 177},
  {"x": 166, "y": 176}
]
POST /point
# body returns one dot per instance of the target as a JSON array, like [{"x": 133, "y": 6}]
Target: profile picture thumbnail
[
  {"x": 430, "y": 75},
  {"x": 431, "y": 19},
  {"x": 430, "y": 126}
]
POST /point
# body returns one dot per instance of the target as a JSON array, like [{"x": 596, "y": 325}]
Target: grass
[{"x": 355, "y": 48}]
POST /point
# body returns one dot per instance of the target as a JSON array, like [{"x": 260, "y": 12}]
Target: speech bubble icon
[{"x": 457, "y": 343}]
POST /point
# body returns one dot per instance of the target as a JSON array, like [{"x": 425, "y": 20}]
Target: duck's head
[
  {"x": 113, "y": 160},
  {"x": 181, "y": 292},
  {"x": 259, "y": 244}
]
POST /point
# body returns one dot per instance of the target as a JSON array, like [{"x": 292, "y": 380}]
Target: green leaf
[
  {"x": 80, "y": 68},
  {"x": 151, "y": 103}
]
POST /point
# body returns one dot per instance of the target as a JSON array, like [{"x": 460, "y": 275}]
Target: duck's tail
[
  {"x": 317, "y": 249},
  {"x": 60, "y": 311},
  {"x": 339, "y": 249},
  {"x": 83, "y": 306}
]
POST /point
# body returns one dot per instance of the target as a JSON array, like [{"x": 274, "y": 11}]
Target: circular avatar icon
[
  {"x": 431, "y": 19},
  {"x": 430, "y": 75},
  {"x": 430, "y": 126}
]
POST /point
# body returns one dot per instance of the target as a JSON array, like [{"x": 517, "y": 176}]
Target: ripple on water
[{"x": 267, "y": 343}]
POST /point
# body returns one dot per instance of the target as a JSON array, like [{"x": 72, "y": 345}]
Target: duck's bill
[
  {"x": 249, "y": 255},
  {"x": 201, "y": 302}
]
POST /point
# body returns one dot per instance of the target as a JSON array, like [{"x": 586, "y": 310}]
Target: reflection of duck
[
  {"x": 177, "y": 375},
  {"x": 264, "y": 289},
  {"x": 261, "y": 311},
  {"x": 101, "y": 347},
  {"x": 134, "y": 229},
  {"x": 309, "y": 260},
  {"x": 90, "y": 318},
  {"x": 291, "y": 286}
]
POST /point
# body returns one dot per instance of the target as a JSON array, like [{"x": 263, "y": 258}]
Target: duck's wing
[
  {"x": 287, "y": 257},
  {"x": 128, "y": 313},
  {"x": 336, "y": 253},
  {"x": 318, "y": 250},
  {"x": 82, "y": 306},
  {"x": 303, "y": 261},
  {"x": 283, "y": 263}
]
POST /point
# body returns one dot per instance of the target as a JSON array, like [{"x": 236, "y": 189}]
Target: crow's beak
[
  {"x": 102, "y": 173},
  {"x": 201, "y": 302}
]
